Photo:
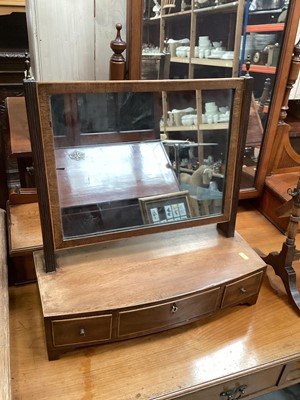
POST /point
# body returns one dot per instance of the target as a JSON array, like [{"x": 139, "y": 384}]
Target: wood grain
[
  {"x": 19, "y": 139},
  {"x": 153, "y": 268},
  {"x": 24, "y": 230},
  {"x": 232, "y": 344},
  {"x": 5, "y": 388}
]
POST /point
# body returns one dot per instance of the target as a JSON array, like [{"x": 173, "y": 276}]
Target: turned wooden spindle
[
  {"x": 293, "y": 75},
  {"x": 264, "y": 97},
  {"x": 117, "y": 65}
]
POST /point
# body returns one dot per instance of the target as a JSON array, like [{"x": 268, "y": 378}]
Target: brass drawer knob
[
  {"x": 234, "y": 394},
  {"x": 243, "y": 290},
  {"x": 82, "y": 332},
  {"x": 174, "y": 308}
]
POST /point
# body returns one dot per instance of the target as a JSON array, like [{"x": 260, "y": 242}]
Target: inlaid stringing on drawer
[
  {"x": 161, "y": 316},
  {"x": 242, "y": 289},
  {"x": 82, "y": 330}
]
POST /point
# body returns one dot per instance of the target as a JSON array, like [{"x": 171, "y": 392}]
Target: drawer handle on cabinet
[
  {"x": 234, "y": 394},
  {"x": 174, "y": 308},
  {"x": 243, "y": 290},
  {"x": 82, "y": 332}
]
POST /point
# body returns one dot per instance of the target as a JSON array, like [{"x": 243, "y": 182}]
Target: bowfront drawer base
[
  {"x": 125, "y": 289},
  {"x": 64, "y": 334},
  {"x": 146, "y": 320}
]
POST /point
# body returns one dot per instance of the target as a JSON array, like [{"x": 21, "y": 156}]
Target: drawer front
[
  {"x": 239, "y": 291},
  {"x": 291, "y": 374},
  {"x": 74, "y": 331},
  {"x": 238, "y": 388},
  {"x": 163, "y": 316}
]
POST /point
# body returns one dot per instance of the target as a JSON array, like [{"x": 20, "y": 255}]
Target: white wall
[{"x": 70, "y": 39}]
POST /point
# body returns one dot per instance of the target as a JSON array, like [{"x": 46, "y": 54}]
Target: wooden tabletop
[{"x": 19, "y": 140}]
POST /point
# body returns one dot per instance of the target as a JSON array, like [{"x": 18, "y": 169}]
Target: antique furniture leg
[{"x": 282, "y": 262}]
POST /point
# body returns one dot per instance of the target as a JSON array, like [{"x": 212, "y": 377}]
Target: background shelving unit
[{"x": 221, "y": 23}]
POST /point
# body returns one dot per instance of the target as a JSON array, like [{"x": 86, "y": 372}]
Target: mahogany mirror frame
[{"x": 39, "y": 121}]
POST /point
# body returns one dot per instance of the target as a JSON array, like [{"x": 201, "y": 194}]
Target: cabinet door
[
  {"x": 61, "y": 38},
  {"x": 268, "y": 45},
  {"x": 70, "y": 40}
]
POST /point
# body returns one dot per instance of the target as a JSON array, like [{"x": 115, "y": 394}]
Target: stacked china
[
  {"x": 261, "y": 40},
  {"x": 204, "y": 46},
  {"x": 211, "y": 112}
]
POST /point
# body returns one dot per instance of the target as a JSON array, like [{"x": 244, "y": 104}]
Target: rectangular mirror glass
[{"x": 109, "y": 182}]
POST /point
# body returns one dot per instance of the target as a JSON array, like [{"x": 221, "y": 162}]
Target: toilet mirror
[{"x": 133, "y": 158}]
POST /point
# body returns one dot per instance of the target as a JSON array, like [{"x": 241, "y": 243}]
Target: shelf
[
  {"x": 229, "y": 7},
  {"x": 265, "y": 28},
  {"x": 263, "y": 69},
  {"x": 202, "y": 127},
  {"x": 211, "y": 62},
  {"x": 191, "y": 171},
  {"x": 215, "y": 62},
  {"x": 151, "y": 21},
  {"x": 258, "y": 12},
  {"x": 182, "y": 60},
  {"x": 177, "y": 14},
  {"x": 8, "y": 7}
]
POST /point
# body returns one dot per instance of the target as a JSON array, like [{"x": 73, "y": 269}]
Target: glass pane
[{"x": 111, "y": 176}]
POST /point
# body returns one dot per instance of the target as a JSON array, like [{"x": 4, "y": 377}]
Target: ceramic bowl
[{"x": 187, "y": 120}]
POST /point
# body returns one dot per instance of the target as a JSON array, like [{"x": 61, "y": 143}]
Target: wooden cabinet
[
  {"x": 202, "y": 41},
  {"x": 261, "y": 133},
  {"x": 87, "y": 31}
]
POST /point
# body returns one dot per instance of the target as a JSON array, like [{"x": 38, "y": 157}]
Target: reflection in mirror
[
  {"x": 214, "y": 39},
  {"x": 109, "y": 180}
]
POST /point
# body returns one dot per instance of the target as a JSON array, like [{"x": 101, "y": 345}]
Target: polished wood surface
[
  {"x": 92, "y": 175},
  {"x": 19, "y": 140},
  {"x": 5, "y": 378},
  {"x": 153, "y": 268},
  {"x": 232, "y": 344},
  {"x": 24, "y": 233}
]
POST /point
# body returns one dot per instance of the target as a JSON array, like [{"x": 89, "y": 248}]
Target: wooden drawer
[
  {"x": 291, "y": 374},
  {"x": 74, "y": 331},
  {"x": 240, "y": 291},
  {"x": 163, "y": 316},
  {"x": 251, "y": 384}
]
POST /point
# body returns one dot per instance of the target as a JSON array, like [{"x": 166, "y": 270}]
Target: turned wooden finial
[
  {"x": 117, "y": 61},
  {"x": 293, "y": 75},
  {"x": 248, "y": 65}
]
